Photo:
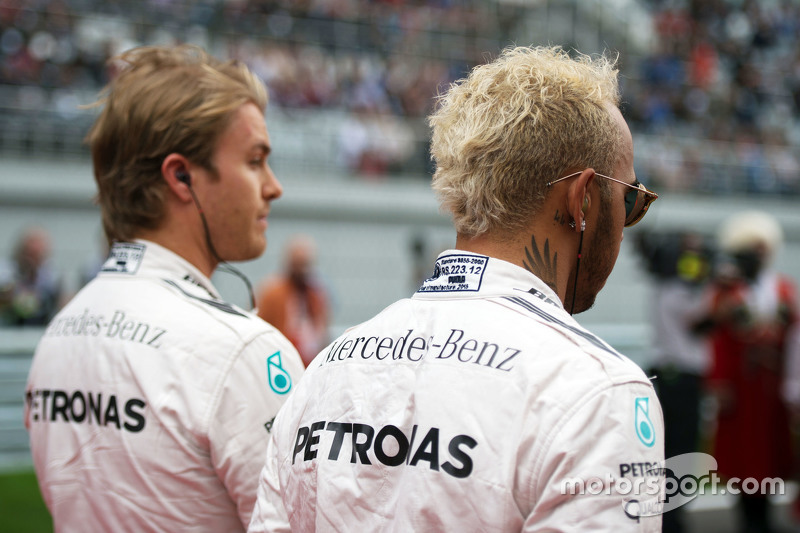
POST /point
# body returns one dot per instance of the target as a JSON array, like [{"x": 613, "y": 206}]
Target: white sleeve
[
  {"x": 601, "y": 470},
  {"x": 256, "y": 387},
  {"x": 269, "y": 515}
]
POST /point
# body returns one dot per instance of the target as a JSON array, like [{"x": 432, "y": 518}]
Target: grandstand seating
[{"x": 715, "y": 86}]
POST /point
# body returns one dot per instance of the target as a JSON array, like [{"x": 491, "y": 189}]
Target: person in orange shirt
[{"x": 295, "y": 302}]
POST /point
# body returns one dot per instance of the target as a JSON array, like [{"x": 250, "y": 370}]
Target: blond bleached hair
[
  {"x": 515, "y": 124},
  {"x": 163, "y": 100}
]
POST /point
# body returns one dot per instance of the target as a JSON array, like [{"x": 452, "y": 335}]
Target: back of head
[
  {"x": 163, "y": 100},
  {"x": 513, "y": 125},
  {"x": 751, "y": 233}
]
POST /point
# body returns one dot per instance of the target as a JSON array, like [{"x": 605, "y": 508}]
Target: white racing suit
[
  {"x": 477, "y": 405},
  {"x": 150, "y": 400}
]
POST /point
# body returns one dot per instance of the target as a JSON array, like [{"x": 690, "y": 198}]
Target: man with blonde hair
[
  {"x": 479, "y": 404},
  {"x": 150, "y": 399}
]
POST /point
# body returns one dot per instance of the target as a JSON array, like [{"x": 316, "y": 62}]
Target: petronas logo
[
  {"x": 279, "y": 379},
  {"x": 644, "y": 426}
]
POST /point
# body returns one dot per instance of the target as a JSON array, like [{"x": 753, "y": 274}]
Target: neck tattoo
[{"x": 541, "y": 263}]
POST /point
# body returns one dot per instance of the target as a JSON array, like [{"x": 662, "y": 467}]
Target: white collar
[
  {"x": 460, "y": 274},
  {"x": 146, "y": 258}
]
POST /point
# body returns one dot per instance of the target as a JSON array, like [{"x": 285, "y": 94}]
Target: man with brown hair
[{"x": 150, "y": 399}]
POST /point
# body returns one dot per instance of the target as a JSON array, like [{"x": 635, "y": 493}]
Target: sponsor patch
[
  {"x": 86, "y": 407},
  {"x": 456, "y": 273},
  {"x": 644, "y": 427},
  {"x": 124, "y": 258},
  {"x": 388, "y": 445},
  {"x": 279, "y": 379},
  {"x": 459, "y": 347},
  {"x": 120, "y": 326}
]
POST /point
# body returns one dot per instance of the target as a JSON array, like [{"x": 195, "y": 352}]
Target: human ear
[
  {"x": 175, "y": 172},
  {"x": 579, "y": 199}
]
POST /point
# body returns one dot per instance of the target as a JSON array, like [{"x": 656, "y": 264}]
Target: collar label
[
  {"x": 456, "y": 273},
  {"x": 124, "y": 258}
]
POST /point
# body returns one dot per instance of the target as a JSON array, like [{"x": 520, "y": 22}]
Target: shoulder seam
[
  {"x": 590, "y": 337},
  {"x": 216, "y": 304}
]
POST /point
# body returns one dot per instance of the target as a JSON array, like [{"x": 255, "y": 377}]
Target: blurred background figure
[
  {"x": 791, "y": 394},
  {"x": 295, "y": 301},
  {"x": 30, "y": 292},
  {"x": 753, "y": 307},
  {"x": 681, "y": 265}
]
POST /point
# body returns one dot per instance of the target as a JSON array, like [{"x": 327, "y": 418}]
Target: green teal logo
[
  {"x": 279, "y": 379},
  {"x": 644, "y": 427}
]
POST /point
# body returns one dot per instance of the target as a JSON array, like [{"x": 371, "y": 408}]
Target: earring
[{"x": 583, "y": 225}]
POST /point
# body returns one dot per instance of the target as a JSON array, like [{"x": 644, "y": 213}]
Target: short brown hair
[
  {"x": 515, "y": 124},
  {"x": 164, "y": 100}
]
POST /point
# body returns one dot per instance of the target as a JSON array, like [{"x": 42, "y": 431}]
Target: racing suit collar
[
  {"x": 462, "y": 274},
  {"x": 141, "y": 257}
]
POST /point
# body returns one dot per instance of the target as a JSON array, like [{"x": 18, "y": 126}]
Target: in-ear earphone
[
  {"x": 580, "y": 252},
  {"x": 183, "y": 176}
]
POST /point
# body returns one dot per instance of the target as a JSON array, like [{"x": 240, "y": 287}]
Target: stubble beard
[{"x": 597, "y": 262}]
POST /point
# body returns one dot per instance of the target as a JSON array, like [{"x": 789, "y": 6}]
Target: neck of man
[
  {"x": 548, "y": 252},
  {"x": 191, "y": 247}
]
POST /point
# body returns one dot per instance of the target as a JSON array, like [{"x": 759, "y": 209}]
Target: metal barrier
[{"x": 16, "y": 350}]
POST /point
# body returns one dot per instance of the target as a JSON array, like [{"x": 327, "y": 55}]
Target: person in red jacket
[{"x": 754, "y": 307}]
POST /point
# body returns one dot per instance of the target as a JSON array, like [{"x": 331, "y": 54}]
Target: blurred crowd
[
  {"x": 380, "y": 61},
  {"x": 714, "y": 103},
  {"x": 323, "y": 53},
  {"x": 726, "y": 73}
]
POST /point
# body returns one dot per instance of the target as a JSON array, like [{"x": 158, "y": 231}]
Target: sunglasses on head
[{"x": 637, "y": 199}]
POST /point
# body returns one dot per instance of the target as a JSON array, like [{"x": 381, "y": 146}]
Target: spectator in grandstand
[
  {"x": 295, "y": 301},
  {"x": 30, "y": 292},
  {"x": 724, "y": 71},
  {"x": 148, "y": 400},
  {"x": 718, "y": 68},
  {"x": 471, "y": 406}
]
